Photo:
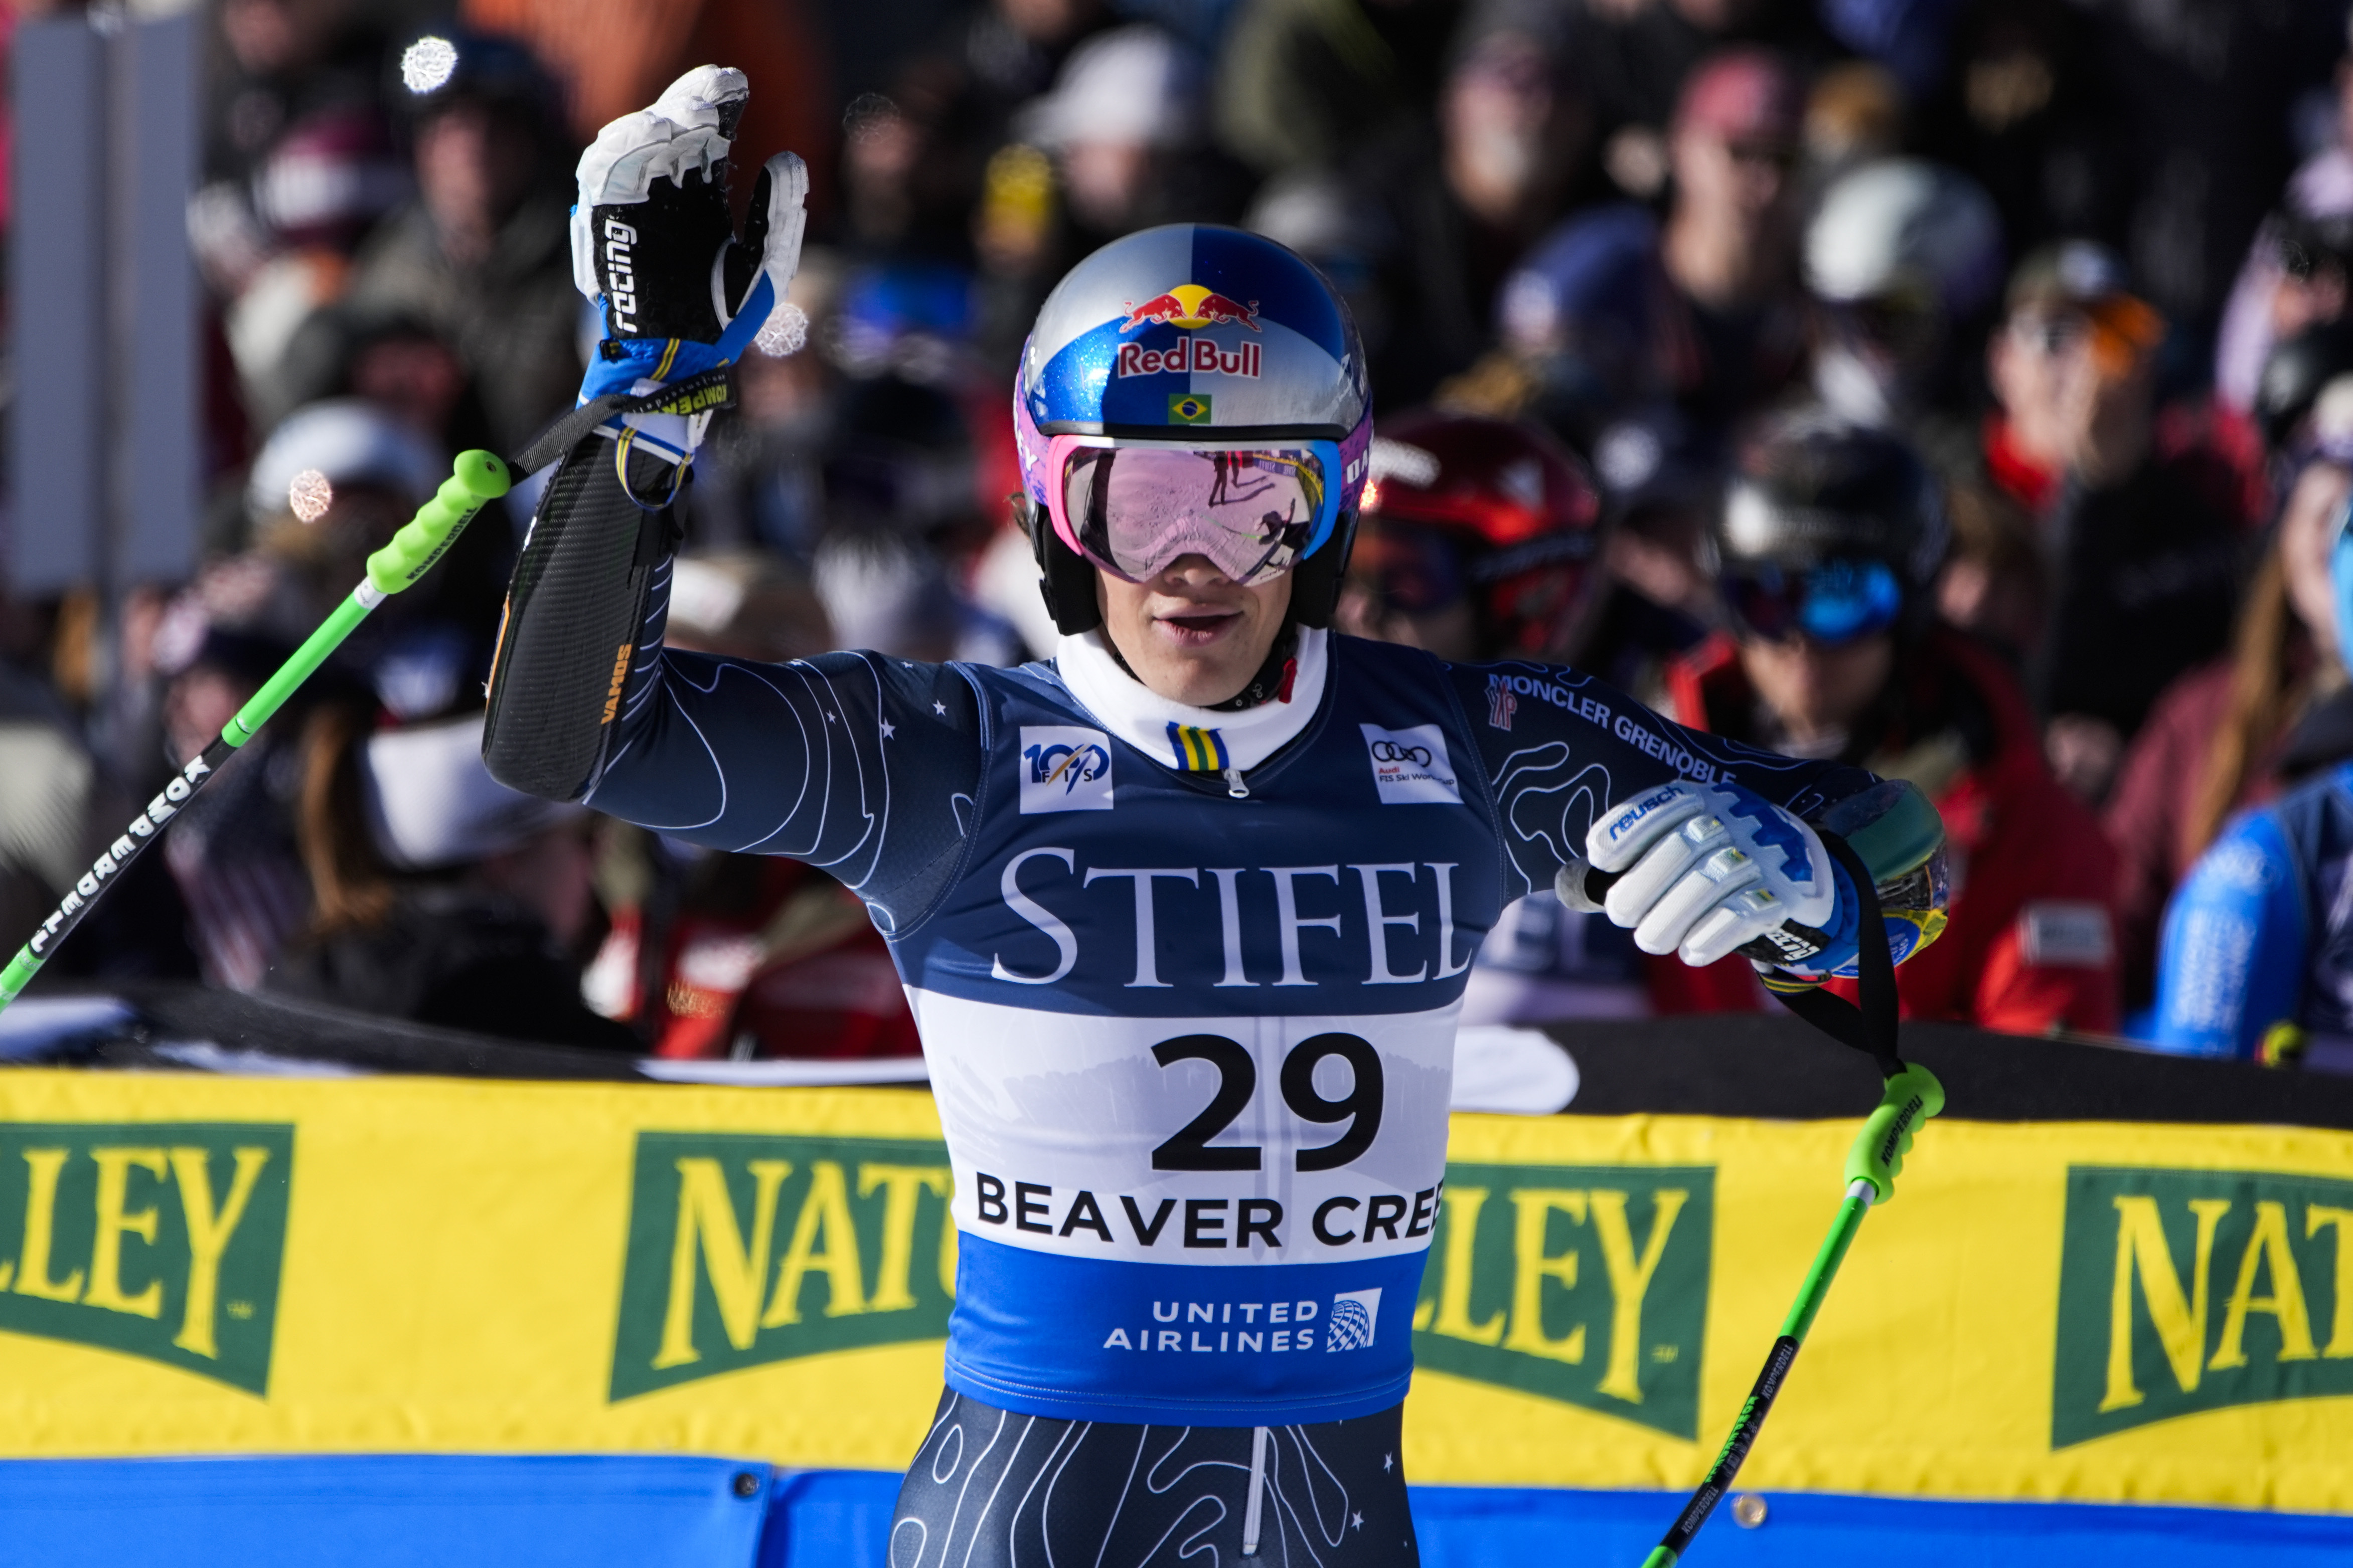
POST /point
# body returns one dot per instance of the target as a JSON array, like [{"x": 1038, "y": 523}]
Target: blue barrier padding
[
  {"x": 382, "y": 1511},
  {"x": 1460, "y": 1526},
  {"x": 829, "y": 1518},
  {"x": 459, "y": 1511}
]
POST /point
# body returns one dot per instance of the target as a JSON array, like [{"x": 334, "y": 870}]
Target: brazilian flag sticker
[{"x": 1189, "y": 408}]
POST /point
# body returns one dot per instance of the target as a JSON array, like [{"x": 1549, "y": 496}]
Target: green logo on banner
[
  {"x": 2187, "y": 1291},
  {"x": 162, "y": 1239},
  {"x": 1584, "y": 1284},
  {"x": 749, "y": 1250}
]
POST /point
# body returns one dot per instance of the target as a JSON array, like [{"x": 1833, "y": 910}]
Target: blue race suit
[
  {"x": 1190, "y": 1029},
  {"x": 2260, "y": 932}
]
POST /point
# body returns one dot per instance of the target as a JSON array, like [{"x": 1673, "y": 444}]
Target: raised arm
[{"x": 861, "y": 765}]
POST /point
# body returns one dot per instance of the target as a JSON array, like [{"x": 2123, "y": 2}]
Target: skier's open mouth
[{"x": 1198, "y": 628}]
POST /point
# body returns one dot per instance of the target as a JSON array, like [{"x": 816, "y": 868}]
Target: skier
[{"x": 1184, "y": 913}]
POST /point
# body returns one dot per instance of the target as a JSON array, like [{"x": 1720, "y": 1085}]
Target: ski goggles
[
  {"x": 1252, "y": 509},
  {"x": 1836, "y": 602}
]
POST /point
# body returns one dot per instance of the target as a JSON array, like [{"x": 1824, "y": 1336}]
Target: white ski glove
[
  {"x": 1705, "y": 870},
  {"x": 653, "y": 241}
]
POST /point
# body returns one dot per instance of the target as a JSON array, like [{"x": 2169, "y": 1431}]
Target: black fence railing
[{"x": 1752, "y": 1065}]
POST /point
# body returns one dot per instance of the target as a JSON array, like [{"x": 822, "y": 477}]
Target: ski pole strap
[
  {"x": 1871, "y": 1028},
  {"x": 700, "y": 394}
]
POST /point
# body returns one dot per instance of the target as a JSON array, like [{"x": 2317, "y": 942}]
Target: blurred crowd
[{"x": 2040, "y": 306}]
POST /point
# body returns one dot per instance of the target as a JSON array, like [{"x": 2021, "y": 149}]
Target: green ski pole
[
  {"x": 478, "y": 479},
  {"x": 1911, "y": 1097}
]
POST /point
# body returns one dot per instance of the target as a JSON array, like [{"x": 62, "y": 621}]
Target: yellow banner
[{"x": 2086, "y": 1310}]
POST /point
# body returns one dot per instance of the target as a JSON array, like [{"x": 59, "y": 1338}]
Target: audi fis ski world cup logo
[
  {"x": 163, "y": 1240},
  {"x": 1064, "y": 768},
  {"x": 2189, "y": 1290},
  {"x": 749, "y": 1250},
  {"x": 1410, "y": 766},
  {"x": 1582, "y": 1283}
]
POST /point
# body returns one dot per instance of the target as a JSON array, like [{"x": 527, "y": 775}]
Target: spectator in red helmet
[
  {"x": 1481, "y": 539},
  {"x": 1828, "y": 546}
]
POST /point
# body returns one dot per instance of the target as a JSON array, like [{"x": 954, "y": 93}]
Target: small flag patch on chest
[{"x": 1197, "y": 750}]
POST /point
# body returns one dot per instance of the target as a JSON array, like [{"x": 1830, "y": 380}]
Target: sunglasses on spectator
[
  {"x": 2048, "y": 335},
  {"x": 1781, "y": 155},
  {"x": 1901, "y": 321},
  {"x": 1836, "y": 602}
]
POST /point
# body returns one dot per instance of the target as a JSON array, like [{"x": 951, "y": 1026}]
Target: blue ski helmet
[{"x": 1192, "y": 337}]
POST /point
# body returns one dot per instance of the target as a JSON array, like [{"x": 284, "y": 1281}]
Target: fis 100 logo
[{"x": 1064, "y": 767}]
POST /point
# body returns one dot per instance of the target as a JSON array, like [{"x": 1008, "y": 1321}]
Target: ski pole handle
[
  {"x": 479, "y": 479},
  {"x": 1876, "y": 1156}
]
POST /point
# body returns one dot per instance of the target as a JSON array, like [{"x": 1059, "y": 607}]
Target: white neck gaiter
[{"x": 1190, "y": 740}]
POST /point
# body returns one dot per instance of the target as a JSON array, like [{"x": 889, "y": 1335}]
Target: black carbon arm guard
[{"x": 581, "y": 625}]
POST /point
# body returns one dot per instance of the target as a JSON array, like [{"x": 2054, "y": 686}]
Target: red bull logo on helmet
[
  {"x": 1194, "y": 355},
  {"x": 1191, "y": 307}
]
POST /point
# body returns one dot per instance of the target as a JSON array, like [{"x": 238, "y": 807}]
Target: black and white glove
[
  {"x": 653, "y": 243},
  {"x": 1706, "y": 870}
]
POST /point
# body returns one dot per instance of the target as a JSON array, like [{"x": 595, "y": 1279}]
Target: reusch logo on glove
[
  {"x": 1635, "y": 814},
  {"x": 621, "y": 275},
  {"x": 1784, "y": 947}
]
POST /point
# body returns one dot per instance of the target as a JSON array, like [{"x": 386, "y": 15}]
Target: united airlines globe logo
[{"x": 1353, "y": 1313}]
